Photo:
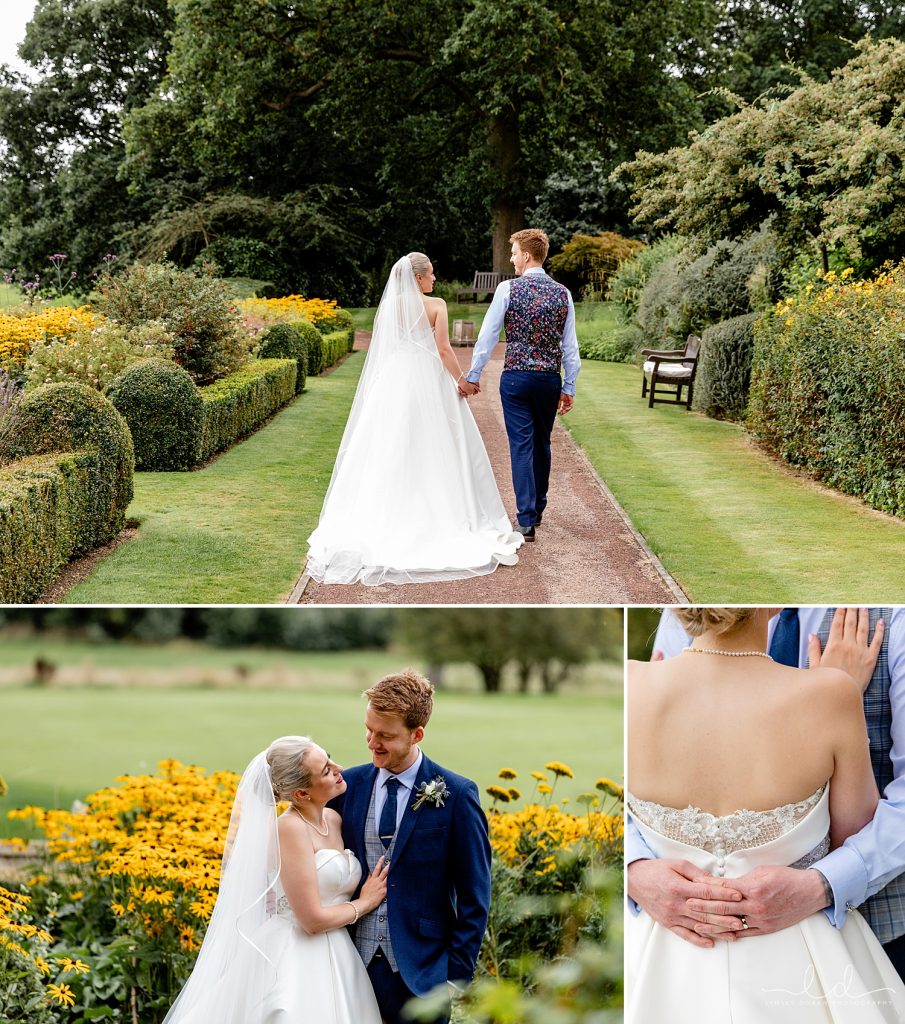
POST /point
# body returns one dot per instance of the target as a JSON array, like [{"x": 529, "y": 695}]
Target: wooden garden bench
[
  {"x": 672, "y": 371},
  {"x": 485, "y": 283}
]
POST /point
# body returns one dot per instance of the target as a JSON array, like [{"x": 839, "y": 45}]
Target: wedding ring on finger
[{"x": 744, "y": 921}]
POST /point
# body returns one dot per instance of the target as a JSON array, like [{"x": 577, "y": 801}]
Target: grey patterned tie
[{"x": 387, "y": 827}]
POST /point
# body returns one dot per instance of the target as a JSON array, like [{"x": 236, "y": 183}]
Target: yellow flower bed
[
  {"x": 290, "y": 307},
  {"x": 19, "y": 334},
  {"x": 154, "y": 844}
]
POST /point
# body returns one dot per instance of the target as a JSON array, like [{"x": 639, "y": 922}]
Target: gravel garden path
[{"x": 586, "y": 552}]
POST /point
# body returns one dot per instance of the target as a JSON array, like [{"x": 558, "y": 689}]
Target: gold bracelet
[{"x": 354, "y": 911}]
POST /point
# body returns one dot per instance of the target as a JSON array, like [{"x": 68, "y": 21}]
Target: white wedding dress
[
  {"x": 811, "y": 973},
  {"x": 413, "y": 498},
  {"x": 307, "y": 978}
]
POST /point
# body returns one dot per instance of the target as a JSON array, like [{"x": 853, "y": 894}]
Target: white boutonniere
[{"x": 433, "y": 793}]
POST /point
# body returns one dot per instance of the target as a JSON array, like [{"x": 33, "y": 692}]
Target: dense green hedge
[
  {"x": 314, "y": 343},
  {"x": 828, "y": 386},
  {"x": 341, "y": 320},
  {"x": 239, "y": 403},
  {"x": 724, "y": 368},
  {"x": 163, "y": 408},
  {"x": 65, "y": 483},
  {"x": 336, "y": 345},
  {"x": 287, "y": 341}
]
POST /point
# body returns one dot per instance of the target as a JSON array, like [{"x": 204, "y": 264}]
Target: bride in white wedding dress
[
  {"x": 412, "y": 498},
  {"x": 737, "y": 762},
  {"x": 277, "y": 949}
]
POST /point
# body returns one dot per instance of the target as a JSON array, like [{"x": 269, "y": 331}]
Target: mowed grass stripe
[
  {"x": 728, "y": 522},
  {"x": 235, "y": 531}
]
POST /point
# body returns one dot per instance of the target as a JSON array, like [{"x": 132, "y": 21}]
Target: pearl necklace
[
  {"x": 310, "y": 824},
  {"x": 729, "y": 654}
]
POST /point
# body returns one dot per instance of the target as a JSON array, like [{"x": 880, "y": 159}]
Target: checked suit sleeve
[
  {"x": 471, "y": 878},
  {"x": 875, "y": 856}
]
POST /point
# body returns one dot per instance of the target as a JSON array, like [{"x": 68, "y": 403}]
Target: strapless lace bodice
[
  {"x": 722, "y": 835},
  {"x": 338, "y": 875}
]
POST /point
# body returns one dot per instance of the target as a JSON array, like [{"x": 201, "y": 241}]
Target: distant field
[
  {"x": 58, "y": 745},
  {"x": 183, "y": 663}
]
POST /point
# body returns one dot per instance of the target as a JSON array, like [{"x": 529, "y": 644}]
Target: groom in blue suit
[{"x": 427, "y": 821}]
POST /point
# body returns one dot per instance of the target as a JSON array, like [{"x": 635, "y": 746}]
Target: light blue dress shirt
[
  {"x": 872, "y": 857},
  {"x": 407, "y": 780},
  {"x": 493, "y": 324}
]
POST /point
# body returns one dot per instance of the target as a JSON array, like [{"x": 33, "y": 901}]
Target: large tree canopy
[
  {"x": 61, "y": 135},
  {"x": 826, "y": 164},
  {"x": 443, "y": 118}
]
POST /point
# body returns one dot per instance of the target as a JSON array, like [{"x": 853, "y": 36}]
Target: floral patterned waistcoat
[{"x": 534, "y": 323}]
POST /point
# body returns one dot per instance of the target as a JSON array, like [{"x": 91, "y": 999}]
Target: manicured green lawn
[
  {"x": 61, "y": 744},
  {"x": 235, "y": 531},
  {"x": 730, "y": 524}
]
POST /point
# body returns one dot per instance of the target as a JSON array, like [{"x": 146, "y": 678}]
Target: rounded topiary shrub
[
  {"x": 71, "y": 417},
  {"x": 724, "y": 368},
  {"x": 314, "y": 345},
  {"x": 161, "y": 404},
  {"x": 286, "y": 341}
]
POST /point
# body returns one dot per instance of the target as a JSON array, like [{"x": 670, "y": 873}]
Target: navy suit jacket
[{"x": 438, "y": 894}]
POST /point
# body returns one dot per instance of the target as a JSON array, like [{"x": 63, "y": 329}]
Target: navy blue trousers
[
  {"x": 895, "y": 950},
  {"x": 392, "y": 992},
  {"x": 530, "y": 400}
]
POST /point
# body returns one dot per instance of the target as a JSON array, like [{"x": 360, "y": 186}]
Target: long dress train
[{"x": 413, "y": 498}]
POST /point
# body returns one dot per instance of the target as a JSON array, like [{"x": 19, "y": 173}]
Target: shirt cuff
[
  {"x": 568, "y": 388},
  {"x": 848, "y": 877},
  {"x": 473, "y": 377}
]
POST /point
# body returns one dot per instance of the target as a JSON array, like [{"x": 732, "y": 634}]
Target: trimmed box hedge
[
  {"x": 176, "y": 427},
  {"x": 336, "y": 346},
  {"x": 239, "y": 403},
  {"x": 287, "y": 341},
  {"x": 724, "y": 368},
  {"x": 66, "y": 473}
]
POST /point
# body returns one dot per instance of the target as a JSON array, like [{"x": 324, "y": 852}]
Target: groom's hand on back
[{"x": 664, "y": 888}]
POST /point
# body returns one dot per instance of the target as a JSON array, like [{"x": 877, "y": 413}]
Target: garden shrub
[
  {"x": 65, "y": 483},
  {"x": 336, "y": 345},
  {"x": 286, "y": 341},
  {"x": 627, "y": 284},
  {"x": 589, "y": 261},
  {"x": 339, "y": 320},
  {"x": 163, "y": 408},
  {"x": 724, "y": 368},
  {"x": 828, "y": 385},
  {"x": 196, "y": 308},
  {"x": 239, "y": 404},
  {"x": 94, "y": 356},
  {"x": 314, "y": 343},
  {"x": 659, "y": 307},
  {"x": 620, "y": 346}
]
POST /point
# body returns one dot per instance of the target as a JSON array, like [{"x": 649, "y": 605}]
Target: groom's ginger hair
[
  {"x": 534, "y": 242},
  {"x": 407, "y": 694}
]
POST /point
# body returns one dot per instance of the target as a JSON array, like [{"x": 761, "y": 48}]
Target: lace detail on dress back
[{"x": 727, "y": 833}]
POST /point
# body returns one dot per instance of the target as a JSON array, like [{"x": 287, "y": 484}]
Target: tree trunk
[
  {"x": 493, "y": 675},
  {"x": 508, "y": 210}
]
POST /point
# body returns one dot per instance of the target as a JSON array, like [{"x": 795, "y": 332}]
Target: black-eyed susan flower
[
  {"x": 558, "y": 768},
  {"x": 62, "y": 995},
  {"x": 67, "y": 964},
  {"x": 540, "y": 776},
  {"x": 498, "y": 793},
  {"x": 508, "y": 774},
  {"x": 610, "y": 788},
  {"x": 544, "y": 788},
  {"x": 514, "y": 794}
]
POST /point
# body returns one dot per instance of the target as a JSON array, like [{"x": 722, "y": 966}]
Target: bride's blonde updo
[
  {"x": 696, "y": 621},
  {"x": 420, "y": 263},
  {"x": 286, "y": 757}
]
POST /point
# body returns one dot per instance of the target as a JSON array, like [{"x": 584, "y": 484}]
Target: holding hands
[{"x": 466, "y": 388}]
